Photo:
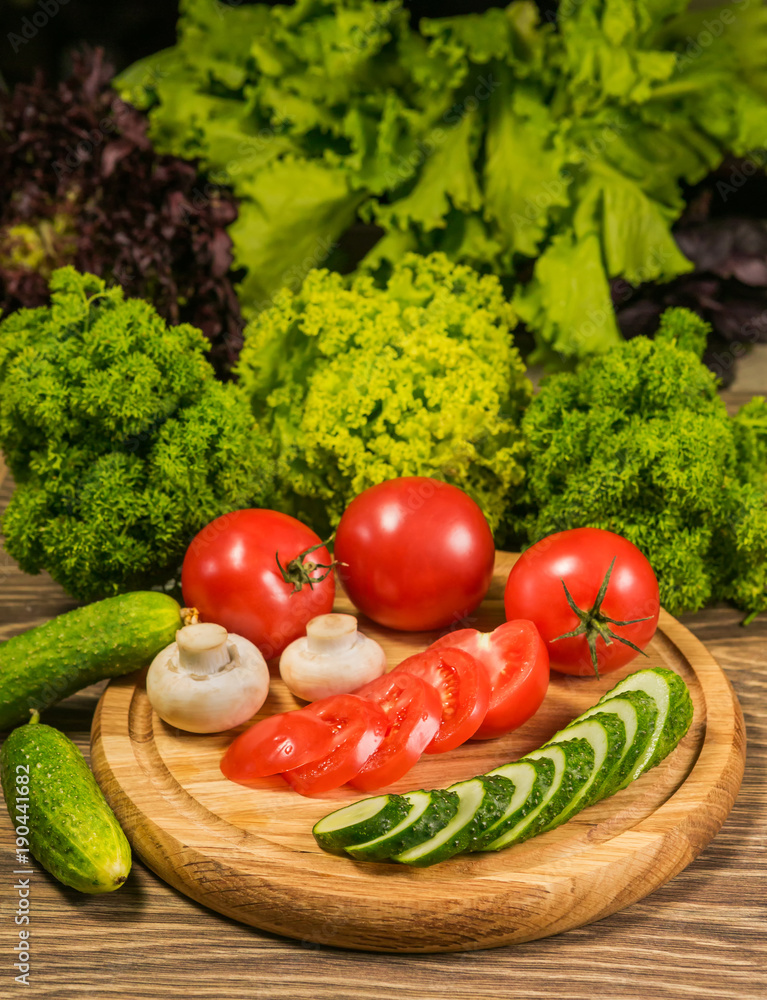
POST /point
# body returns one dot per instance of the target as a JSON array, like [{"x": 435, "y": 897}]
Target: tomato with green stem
[
  {"x": 261, "y": 574},
  {"x": 593, "y": 596}
]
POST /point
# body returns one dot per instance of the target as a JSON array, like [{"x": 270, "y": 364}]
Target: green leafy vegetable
[
  {"x": 580, "y": 142},
  {"x": 358, "y": 384},
  {"x": 639, "y": 442},
  {"x": 121, "y": 441},
  {"x": 81, "y": 184},
  {"x": 552, "y": 154},
  {"x": 304, "y": 110}
]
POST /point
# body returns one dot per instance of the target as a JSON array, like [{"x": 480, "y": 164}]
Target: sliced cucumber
[
  {"x": 573, "y": 764},
  {"x": 606, "y": 735},
  {"x": 499, "y": 791},
  {"x": 631, "y": 729},
  {"x": 429, "y": 812},
  {"x": 531, "y": 779},
  {"x": 674, "y": 706},
  {"x": 360, "y": 821},
  {"x": 454, "y": 836},
  {"x": 638, "y": 713}
]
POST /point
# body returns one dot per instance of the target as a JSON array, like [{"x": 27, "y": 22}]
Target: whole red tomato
[
  {"x": 613, "y": 595},
  {"x": 245, "y": 571},
  {"x": 414, "y": 553}
]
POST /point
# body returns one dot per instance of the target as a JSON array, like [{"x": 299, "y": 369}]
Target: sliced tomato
[
  {"x": 464, "y": 690},
  {"x": 413, "y": 710},
  {"x": 359, "y": 727},
  {"x": 517, "y": 664},
  {"x": 277, "y": 743}
]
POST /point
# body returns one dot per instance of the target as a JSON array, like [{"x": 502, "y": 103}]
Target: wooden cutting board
[{"x": 249, "y": 853}]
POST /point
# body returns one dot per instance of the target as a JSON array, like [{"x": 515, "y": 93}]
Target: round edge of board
[{"x": 467, "y": 903}]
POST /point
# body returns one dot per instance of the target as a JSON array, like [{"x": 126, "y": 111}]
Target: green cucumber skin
[
  {"x": 541, "y": 785},
  {"x": 586, "y": 796},
  {"x": 676, "y": 724},
  {"x": 106, "y": 639},
  {"x": 498, "y": 793},
  {"x": 647, "y": 712},
  {"x": 72, "y": 831},
  {"x": 442, "y": 807},
  {"x": 579, "y": 764},
  {"x": 394, "y": 810},
  {"x": 456, "y": 843}
]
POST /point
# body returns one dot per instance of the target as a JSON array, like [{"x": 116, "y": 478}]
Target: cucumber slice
[
  {"x": 573, "y": 764},
  {"x": 499, "y": 792},
  {"x": 360, "y": 821},
  {"x": 429, "y": 812},
  {"x": 454, "y": 836},
  {"x": 674, "y": 706},
  {"x": 530, "y": 780},
  {"x": 606, "y": 735},
  {"x": 631, "y": 729},
  {"x": 638, "y": 713}
]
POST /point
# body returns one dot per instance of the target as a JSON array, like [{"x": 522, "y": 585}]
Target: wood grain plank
[{"x": 699, "y": 936}]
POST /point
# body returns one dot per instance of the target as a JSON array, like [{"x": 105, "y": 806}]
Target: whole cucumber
[
  {"x": 106, "y": 639},
  {"x": 49, "y": 789}
]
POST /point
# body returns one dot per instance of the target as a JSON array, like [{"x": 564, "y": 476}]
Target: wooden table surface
[{"x": 702, "y": 935}]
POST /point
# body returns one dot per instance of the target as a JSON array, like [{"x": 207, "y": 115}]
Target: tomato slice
[
  {"x": 272, "y": 745},
  {"x": 463, "y": 687},
  {"x": 413, "y": 710},
  {"x": 359, "y": 727},
  {"x": 517, "y": 663}
]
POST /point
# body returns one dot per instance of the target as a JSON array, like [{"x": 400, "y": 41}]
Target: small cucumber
[
  {"x": 358, "y": 822},
  {"x": 429, "y": 812},
  {"x": 454, "y": 835},
  {"x": 106, "y": 639},
  {"x": 72, "y": 831}
]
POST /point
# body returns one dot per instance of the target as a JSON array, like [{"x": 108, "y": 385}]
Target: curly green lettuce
[
  {"x": 357, "y": 383},
  {"x": 639, "y": 442},
  {"x": 121, "y": 441}
]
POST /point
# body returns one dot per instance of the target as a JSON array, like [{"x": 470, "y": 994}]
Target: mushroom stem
[
  {"x": 333, "y": 633},
  {"x": 203, "y": 648}
]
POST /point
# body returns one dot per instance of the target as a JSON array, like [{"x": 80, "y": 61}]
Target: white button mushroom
[
  {"x": 332, "y": 658},
  {"x": 207, "y": 680}
]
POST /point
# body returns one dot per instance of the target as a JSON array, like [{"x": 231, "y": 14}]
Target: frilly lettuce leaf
[
  {"x": 548, "y": 153},
  {"x": 358, "y": 382}
]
